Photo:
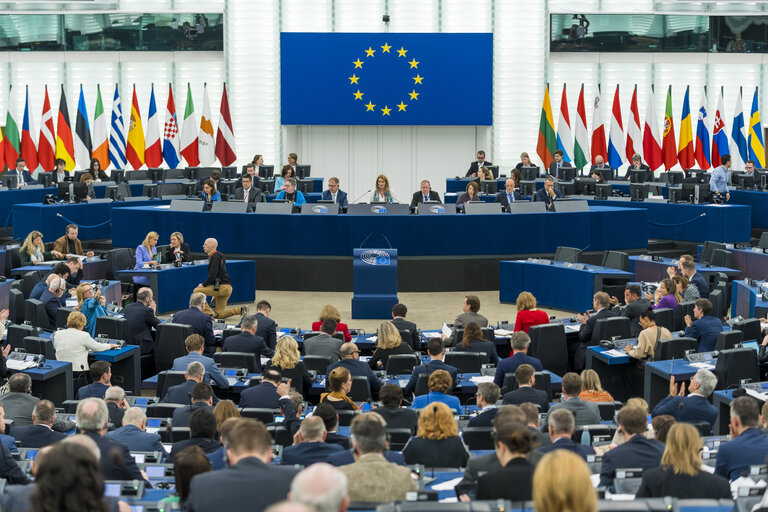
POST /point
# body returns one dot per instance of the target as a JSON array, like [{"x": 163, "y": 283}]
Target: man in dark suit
[
  {"x": 600, "y": 165},
  {"x": 548, "y": 194},
  {"x": 519, "y": 341},
  {"x": 51, "y": 298},
  {"x": 509, "y": 195},
  {"x": 636, "y": 452},
  {"x": 249, "y": 453},
  {"x": 266, "y": 328},
  {"x": 24, "y": 176},
  {"x": 248, "y": 193},
  {"x": 311, "y": 445},
  {"x": 525, "y": 377},
  {"x": 264, "y": 395},
  {"x": 561, "y": 426},
  {"x": 248, "y": 341},
  {"x": 180, "y": 394},
  {"x": 116, "y": 405},
  {"x": 331, "y": 419},
  {"x": 202, "y": 398},
  {"x": 559, "y": 163},
  {"x": 477, "y": 164},
  {"x": 399, "y": 312},
  {"x": 486, "y": 397},
  {"x": 324, "y": 344},
  {"x": 706, "y": 328},
  {"x": 334, "y": 194},
  {"x": 201, "y": 323},
  {"x": 436, "y": 351},
  {"x": 534, "y": 424},
  {"x": 396, "y": 416},
  {"x": 695, "y": 406},
  {"x": 195, "y": 347},
  {"x": 250, "y": 171},
  {"x": 19, "y": 404},
  {"x": 585, "y": 413},
  {"x": 577, "y": 352},
  {"x": 350, "y": 359},
  {"x": 634, "y": 304},
  {"x": 59, "y": 270},
  {"x": 202, "y": 433},
  {"x": 425, "y": 194},
  {"x": 41, "y": 433},
  {"x": 748, "y": 446},
  {"x": 133, "y": 433},
  {"x": 101, "y": 375},
  {"x": 689, "y": 271},
  {"x": 142, "y": 320}
]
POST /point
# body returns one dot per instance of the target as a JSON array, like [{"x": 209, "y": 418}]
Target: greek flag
[{"x": 117, "y": 134}]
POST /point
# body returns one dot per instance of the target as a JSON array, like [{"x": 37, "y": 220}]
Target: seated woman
[
  {"x": 648, "y": 338},
  {"x": 209, "y": 193},
  {"x": 664, "y": 296},
  {"x": 340, "y": 383},
  {"x": 32, "y": 251},
  {"x": 527, "y": 314},
  {"x": 437, "y": 444},
  {"x": 96, "y": 172},
  {"x": 598, "y": 175},
  {"x": 485, "y": 173},
  {"x": 382, "y": 193},
  {"x": 562, "y": 482},
  {"x": 73, "y": 344},
  {"x": 288, "y": 361},
  {"x": 87, "y": 178},
  {"x": 91, "y": 304},
  {"x": 287, "y": 172},
  {"x": 177, "y": 250},
  {"x": 187, "y": 463},
  {"x": 472, "y": 193},
  {"x": 59, "y": 172},
  {"x": 388, "y": 342},
  {"x": 330, "y": 311},
  {"x": 680, "y": 475},
  {"x": 512, "y": 442},
  {"x": 439, "y": 383},
  {"x": 146, "y": 253},
  {"x": 291, "y": 194},
  {"x": 684, "y": 290},
  {"x": 591, "y": 390},
  {"x": 473, "y": 341},
  {"x": 618, "y": 437},
  {"x": 525, "y": 161}
]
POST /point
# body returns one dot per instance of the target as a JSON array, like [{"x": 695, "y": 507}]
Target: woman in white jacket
[{"x": 73, "y": 344}]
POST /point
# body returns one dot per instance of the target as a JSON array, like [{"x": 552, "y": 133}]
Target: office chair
[
  {"x": 70, "y": 406},
  {"x": 28, "y": 281},
  {"x": 121, "y": 259},
  {"x": 114, "y": 328},
  {"x": 673, "y": 348},
  {"x": 317, "y": 363},
  {"x": 628, "y": 480},
  {"x": 16, "y": 306},
  {"x": 346, "y": 417},
  {"x": 401, "y": 364},
  {"x": 231, "y": 331},
  {"x": 718, "y": 304},
  {"x": 750, "y": 329},
  {"x": 35, "y": 313},
  {"x": 162, "y": 410},
  {"x": 683, "y": 309},
  {"x": 542, "y": 382},
  {"x": 616, "y": 259},
  {"x": 61, "y": 317},
  {"x": 478, "y": 438},
  {"x": 728, "y": 339},
  {"x": 734, "y": 365},
  {"x": 167, "y": 379},
  {"x": 548, "y": 344},
  {"x": 707, "y": 251},
  {"x": 33, "y": 345},
  {"x": 398, "y": 438},
  {"x": 465, "y": 362},
  {"x": 422, "y": 385},
  {"x": 169, "y": 344},
  {"x": 593, "y": 430},
  {"x": 262, "y": 414},
  {"x": 606, "y": 328},
  {"x": 704, "y": 428},
  {"x": 16, "y": 334},
  {"x": 280, "y": 434},
  {"x": 361, "y": 390},
  {"x": 177, "y": 434},
  {"x": 608, "y": 410},
  {"x": 665, "y": 317},
  {"x": 722, "y": 258},
  {"x": 245, "y": 360}
]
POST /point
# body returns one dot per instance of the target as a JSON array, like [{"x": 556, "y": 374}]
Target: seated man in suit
[
  {"x": 425, "y": 194},
  {"x": 487, "y": 394},
  {"x": 75, "y": 265},
  {"x": 636, "y": 452},
  {"x": 51, "y": 298},
  {"x": 706, "y": 328},
  {"x": 263, "y": 395},
  {"x": 510, "y": 193},
  {"x": 695, "y": 406},
  {"x": 324, "y": 344},
  {"x": 561, "y": 425},
  {"x": 250, "y": 171},
  {"x": 477, "y": 164},
  {"x": 201, "y": 323},
  {"x": 520, "y": 341},
  {"x": 634, "y": 304},
  {"x": 637, "y": 164},
  {"x": 60, "y": 270},
  {"x": 585, "y": 413},
  {"x": 600, "y": 165},
  {"x": 70, "y": 244},
  {"x": 201, "y": 398},
  {"x": 142, "y": 320},
  {"x": 266, "y": 327},
  {"x": 41, "y": 433},
  {"x": 334, "y": 194},
  {"x": 350, "y": 359},
  {"x": 399, "y": 312},
  {"x": 19, "y": 404},
  {"x": 469, "y": 314},
  {"x": 577, "y": 352},
  {"x": 24, "y": 176},
  {"x": 548, "y": 194},
  {"x": 534, "y": 423},
  {"x": 101, "y": 375},
  {"x": 436, "y": 351},
  {"x": 248, "y": 193},
  {"x": 554, "y": 167},
  {"x": 116, "y": 405},
  {"x": 748, "y": 446},
  {"x": 311, "y": 445},
  {"x": 248, "y": 341},
  {"x": 526, "y": 378},
  {"x": 180, "y": 394},
  {"x": 331, "y": 419},
  {"x": 195, "y": 345},
  {"x": 694, "y": 278},
  {"x": 202, "y": 433},
  {"x": 133, "y": 433},
  {"x": 396, "y": 416}
]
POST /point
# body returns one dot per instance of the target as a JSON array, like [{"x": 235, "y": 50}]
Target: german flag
[{"x": 65, "y": 147}]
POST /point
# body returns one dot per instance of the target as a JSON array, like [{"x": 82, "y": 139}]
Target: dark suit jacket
[
  {"x": 267, "y": 329},
  {"x": 36, "y": 436},
  {"x": 358, "y": 368},
  {"x": 542, "y": 195},
  {"x": 382, "y": 354},
  {"x": 181, "y": 416},
  {"x": 586, "y": 330},
  {"x": 688, "y": 408},
  {"x": 553, "y": 168},
  {"x": 473, "y": 167},
  {"x": 566, "y": 443},
  {"x": 399, "y": 417},
  {"x": 18, "y": 407},
  {"x": 706, "y": 329},
  {"x": 432, "y": 366},
  {"x": 254, "y": 195},
  {"x": 403, "y": 324},
  {"x": 341, "y": 197},
  {"x": 701, "y": 285},
  {"x": 55, "y": 176},
  {"x": 9, "y": 469},
  {"x": 208, "y": 445},
  {"x": 334, "y": 438},
  {"x": 116, "y": 461},
  {"x": 501, "y": 197},
  {"x": 484, "y": 419},
  {"x": 510, "y": 364},
  {"x": 168, "y": 256},
  {"x": 95, "y": 390},
  {"x": 115, "y": 414},
  {"x": 251, "y": 343},
  {"x": 232, "y": 488},
  {"x": 496, "y": 484},
  {"x": 638, "y": 452},
  {"x": 309, "y": 453},
  {"x": 661, "y": 482},
  {"x": 632, "y": 311},
  {"x": 301, "y": 379},
  {"x": 141, "y": 319},
  {"x": 345, "y": 457},
  {"x": 262, "y": 396},
  {"x": 52, "y": 305},
  {"x": 418, "y": 197},
  {"x": 25, "y": 177},
  {"x": 201, "y": 324},
  {"x": 137, "y": 440},
  {"x": 735, "y": 456},
  {"x": 527, "y": 394}
]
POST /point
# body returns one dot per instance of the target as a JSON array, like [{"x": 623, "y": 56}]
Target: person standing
[
  {"x": 218, "y": 284},
  {"x": 718, "y": 182}
]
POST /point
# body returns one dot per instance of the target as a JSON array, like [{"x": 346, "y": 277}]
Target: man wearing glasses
[
  {"x": 51, "y": 296},
  {"x": 350, "y": 359}
]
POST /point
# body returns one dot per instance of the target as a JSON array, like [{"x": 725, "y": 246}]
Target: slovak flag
[
  {"x": 719, "y": 136},
  {"x": 171, "y": 133}
]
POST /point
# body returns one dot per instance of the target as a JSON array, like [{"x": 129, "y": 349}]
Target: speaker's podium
[{"x": 375, "y": 283}]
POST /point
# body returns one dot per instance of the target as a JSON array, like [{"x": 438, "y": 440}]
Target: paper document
[
  {"x": 482, "y": 378},
  {"x": 164, "y": 206},
  {"x": 572, "y": 327},
  {"x": 705, "y": 366},
  {"x": 502, "y": 332},
  {"x": 449, "y": 484},
  {"x": 76, "y": 256},
  {"x": 371, "y": 338},
  {"x": 614, "y": 353},
  {"x": 446, "y": 330},
  {"x": 595, "y": 479},
  {"x": 15, "y": 364},
  {"x": 760, "y": 396}
]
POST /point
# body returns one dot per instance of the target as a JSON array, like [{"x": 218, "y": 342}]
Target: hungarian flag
[
  {"x": 719, "y": 135},
  {"x": 171, "y": 133},
  {"x": 154, "y": 153},
  {"x": 547, "y": 143},
  {"x": 668, "y": 147},
  {"x": 82, "y": 134},
  {"x": 12, "y": 143},
  {"x": 28, "y": 143},
  {"x": 65, "y": 147},
  {"x": 564, "y": 138},
  {"x": 205, "y": 142},
  {"x": 225, "y": 136},
  {"x": 616, "y": 140},
  {"x": 634, "y": 134},
  {"x": 135, "y": 149},
  {"x": 46, "y": 147},
  {"x": 598, "y": 130},
  {"x": 100, "y": 142},
  {"x": 685, "y": 150},
  {"x": 189, "y": 142},
  {"x": 651, "y": 139},
  {"x": 581, "y": 143}
]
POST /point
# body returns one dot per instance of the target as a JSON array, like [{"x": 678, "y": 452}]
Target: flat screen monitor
[
  {"x": 566, "y": 188},
  {"x": 603, "y": 190},
  {"x": 226, "y": 188},
  {"x": 229, "y": 173},
  {"x": 494, "y": 170},
  {"x": 136, "y": 175},
  {"x": 567, "y": 254},
  {"x": 266, "y": 185},
  {"x": 527, "y": 187},
  {"x": 10, "y": 181},
  {"x": 761, "y": 178},
  {"x": 529, "y": 172},
  {"x": 77, "y": 174},
  {"x": 155, "y": 174},
  {"x": 638, "y": 191},
  {"x": 302, "y": 171},
  {"x": 117, "y": 175},
  {"x": 303, "y": 185},
  {"x": 696, "y": 176},
  {"x": 172, "y": 189},
  {"x": 585, "y": 186},
  {"x": 203, "y": 173},
  {"x": 72, "y": 191},
  {"x": 45, "y": 179},
  {"x": 566, "y": 173},
  {"x": 695, "y": 193},
  {"x": 266, "y": 171},
  {"x": 175, "y": 174},
  {"x": 489, "y": 186},
  {"x": 673, "y": 177},
  {"x": 639, "y": 176},
  {"x": 150, "y": 190},
  {"x": 743, "y": 181},
  {"x": 607, "y": 173}
]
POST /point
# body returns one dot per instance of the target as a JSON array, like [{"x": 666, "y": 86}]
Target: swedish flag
[{"x": 755, "y": 143}]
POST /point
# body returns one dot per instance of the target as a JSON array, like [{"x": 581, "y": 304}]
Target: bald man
[{"x": 218, "y": 284}]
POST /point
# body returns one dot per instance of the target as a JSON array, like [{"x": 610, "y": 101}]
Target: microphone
[
  {"x": 387, "y": 239},
  {"x": 363, "y": 194},
  {"x": 366, "y": 239}
]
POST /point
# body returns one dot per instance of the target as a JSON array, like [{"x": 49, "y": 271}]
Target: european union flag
[{"x": 386, "y": 79}]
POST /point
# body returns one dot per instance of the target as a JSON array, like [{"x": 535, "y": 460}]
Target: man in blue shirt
[
  {"x": 718, "y": 182},
  {"x": 706, "y": 328},
  {"x": 748, "y": 446},
  {"x": 439, "y": 384},
  {"x": 194, "y": 344},
  {"x": 520, "y": 341}
]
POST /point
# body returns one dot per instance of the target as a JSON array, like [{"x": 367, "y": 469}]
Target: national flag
[
  {"x": 634, "y": 133},
  {"x": 564, "y": 137},
  {"x": 225, "y": 136},
  {"x": 738, "y": 140},
  {"x": 134, "y": 151},
  {"x": 668, "y": 147},
  {"x": 702, "y": 135},
  {"x": 117, "y": 133},
  {"x": 598, "y": 130},
  {"x": 581, "y": 143},
  {"x": 651, "y": 139},
  {"x": 100, "y": 144},
  {"x": 82, "y": 134},
  {"x": 206, "y": 143},
  {"x": 719, "y": 136},
  {"x": 685, "y": 149},
  {"x": 12, "y": 143},
  {"x": 65, "y": 147},
  {"x": 616, "y": 140},
  {"x": 189, "y": 141},
  {"x": 153, "y": 156},
  {"x": 28, "y": 143},
  {"x": 547, "y": 142},
  {"x": 755, "y": 144},
  {"x": 171, "y": 133},
  {"x": 46, "y": 146}
]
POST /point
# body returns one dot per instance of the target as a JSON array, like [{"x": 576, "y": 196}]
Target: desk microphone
[{"x": 363, "y": 194}]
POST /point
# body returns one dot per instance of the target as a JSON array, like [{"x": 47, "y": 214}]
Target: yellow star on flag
[
  {"x": 414, "y": 64},
  {"x": 370, "y": 51},
  {"x": 358, "y": 95},
  {"x": 417, "y": 79},
  {"x": 353, "y": 79},
  {"x": 369, "y": 107},
  {"x": 385, "y": 48},
  {"x": 401, "y": 52},
  {"x": 358, "y": 64},
  {"x": 385, "y": 111},
  {"x": 401, "y": 107},
  {"x": 414, "y": 95}
]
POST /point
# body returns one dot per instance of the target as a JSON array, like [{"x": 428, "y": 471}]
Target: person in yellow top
[
  {"x": 649, "y": 337},
  {"x": 591, "y": 389}
]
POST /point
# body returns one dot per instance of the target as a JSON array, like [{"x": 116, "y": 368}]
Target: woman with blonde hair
[
  {"x": 331, "y": 311},
  {"x": 287, "y": 361},
  {"x": 680, "y": 475},
  {"x": 485, "y": 174},
  {"x": 382, "y": 193},
  {"x": 473, "y": 341},
  {"x": 92, "y": 304},
  {"x": 388, "y": 343},
  {"x": 32, "y": 251},
  {"x": 340, "y": 384},
  {"x": 224, "y": 410},
  {"x": 527, "y": 314},
  {"x": 177, "y": 250},
  {"x": 561, "y": 483},
  {"x": 146, "y": 254},
  {"x": 73, "y": 344},
  {"x": 437, "y": 444},
  {"x": 618, "y": 437},
  {"x": 591, "y": 389}
]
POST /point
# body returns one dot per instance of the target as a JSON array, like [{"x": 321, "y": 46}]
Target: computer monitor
[
  {"x": 489, "y": 186},
  {"x": 672, "y": 177},
  {"x": 566, "y": 173},
  {"x": 566, "y": 188},
  {"x": 155, "y": 174},
  {"x": 203, "y": 173},
  {"x": 743, "y": 181},
  {"x": 567, "y": 254},
  {"x": 118, "y": 192},
  {"x": 696, "y": 176},
  {"x": 303, "y": 185},
  {"x": 603, "y": 190},
  {"x": 494, "y": 170},
  {"x": 529, "y": 172},
  {"x": 761, "y": 179},
  {"x": 45, "y": 179},
  {"x": 638, "y": 191},
  {"x": 527, "y": 188},
  {"x": 226, "y": 188},
  {"x": 690, "y": 191},
  {"x": 229, "y": 173},
  {"x": 80, "y": 190},
  {"x": 63, "y": 189},
  {"x": 639, "y": 176},
  {"x": 172, "y": 189},
  {"x": 302, "y": 171},
  {"x": 77, "y": 174},
  {"x": 586, "y": 186},
  {"x": 136, "y": 175},
  {"x": 674, "y": 194},
  {"x": 266, "y": 185},
  {"x": 175, "y": 174},
  {"x": 266, "y": 171},
  {"x": 10, "y": 181},
  {"x": 150, "y": 190},
  {"x": 117, "y": 175}
]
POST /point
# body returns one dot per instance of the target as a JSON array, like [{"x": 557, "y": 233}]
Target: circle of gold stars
[{"x": 371, "y": 53}]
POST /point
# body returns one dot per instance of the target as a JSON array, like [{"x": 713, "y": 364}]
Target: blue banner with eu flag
[{"x": 386, "y": 79}]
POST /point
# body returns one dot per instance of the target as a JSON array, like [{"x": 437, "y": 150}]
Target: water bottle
[{"x": 585, "y": 439}]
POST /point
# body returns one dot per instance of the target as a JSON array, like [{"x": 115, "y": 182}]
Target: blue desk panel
[
  {"x": 752, "y": 263},
  {"x": 747, "y": 301},
  {"x": 651, "y": 271},
  {"x": 412, "y": 235},
  {"x": 657, "y": 374},
  {"x": 755, "y": 199}
]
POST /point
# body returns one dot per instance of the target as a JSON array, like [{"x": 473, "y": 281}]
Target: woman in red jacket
[
  {"x": 527, "y": 314},
  {"x": 330, "y": 311}
]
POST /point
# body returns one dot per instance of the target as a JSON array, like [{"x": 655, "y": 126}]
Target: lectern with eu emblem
[{"x": 375, "y": 283}]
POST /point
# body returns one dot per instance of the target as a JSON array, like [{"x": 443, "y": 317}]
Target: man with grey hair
[
  {"x": 51, "y": 298},
  {"x": 116, "y": 404},
  {"x": 248, "y": 341},
  {"x": 321, "y": 487},
  {"x": 19, "y": 403},
  {"x": 309, "y": 444},
  {"x": 520, "y": 342},
  {"x": 561, "y": 425},
  {"x": 200, "y": 322},
  {"x": 695, "y": 406},
  {"x": 548, "y": 194},
  {"x": 487, "y": 395},
  {"x": 133, "y": 433},
  {"x": 116, "y": 461},
  {"x": 142, "y": 320},
  {"x": 180, "y": 393},
  {"x": 371, "y": 477},
  {"x": 217, "y": 285},
  {"x": 41, "y": 433}
]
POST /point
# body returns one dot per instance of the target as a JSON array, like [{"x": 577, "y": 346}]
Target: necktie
[
  {"x": 334, "y": 198},
  {"x": 426, "y": 199},
  {"x": 510, "y": 198}
]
